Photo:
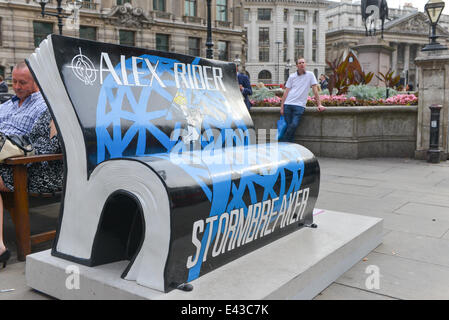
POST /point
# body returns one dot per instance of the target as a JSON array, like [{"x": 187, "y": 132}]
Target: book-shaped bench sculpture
[{"x": 162, "y": 167}]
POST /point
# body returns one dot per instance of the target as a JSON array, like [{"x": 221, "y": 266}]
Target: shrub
[
  {"x": 259, "y": 94},
  {"x": 363, "y": 92}
]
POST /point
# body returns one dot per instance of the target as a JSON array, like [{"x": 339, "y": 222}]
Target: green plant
[
  {"x": 339, "y": 78},
  {"x": 388, "y": 79},
  {"x": 260, "y": 94},
  {"x": 345, "y": 73},
  {"x": 364, "y": 92}
]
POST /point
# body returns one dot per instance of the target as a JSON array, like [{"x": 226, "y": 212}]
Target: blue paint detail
[{"x": 224, "y": 195}]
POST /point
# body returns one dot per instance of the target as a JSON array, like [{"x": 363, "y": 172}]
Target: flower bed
[{"x": 343, "y": 101}]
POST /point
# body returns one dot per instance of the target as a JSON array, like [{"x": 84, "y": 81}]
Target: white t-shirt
[{"x": 299, "y": 88}]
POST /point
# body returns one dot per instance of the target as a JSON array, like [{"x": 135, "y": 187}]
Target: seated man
[{"x": 18, "y": 115}]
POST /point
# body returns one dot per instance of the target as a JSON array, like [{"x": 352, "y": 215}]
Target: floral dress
[{"x": 43, "y": 177}]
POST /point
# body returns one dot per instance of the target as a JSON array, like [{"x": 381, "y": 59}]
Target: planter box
[{"x": 351, "y": 132}]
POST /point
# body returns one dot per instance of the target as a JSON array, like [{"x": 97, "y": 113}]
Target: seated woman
[{"x": 42, "y": 176}]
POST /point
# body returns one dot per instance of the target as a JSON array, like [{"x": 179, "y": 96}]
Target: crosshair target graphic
[{"x": 84, "y": 69}]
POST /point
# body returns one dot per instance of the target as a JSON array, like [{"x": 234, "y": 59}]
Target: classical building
[
  {"x": 406, "y": 32},
  {"x": 278, "y": 32},
  {"x": 169, "y": 25}
]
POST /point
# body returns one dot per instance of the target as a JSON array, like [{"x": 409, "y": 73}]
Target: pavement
[{"x": 410, "y": 195}]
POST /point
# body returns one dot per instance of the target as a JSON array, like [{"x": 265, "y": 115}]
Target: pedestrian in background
[
  {"x": 294, "y": 100},
  {"x": 245, "y": 87}
]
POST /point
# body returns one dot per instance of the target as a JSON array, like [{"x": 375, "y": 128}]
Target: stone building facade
[
  {"x": 172, "y": 25},
  {"x": 407, "y": 32},
  {"x": 278, "y": 32}
]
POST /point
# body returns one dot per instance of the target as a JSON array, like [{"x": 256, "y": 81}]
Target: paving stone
[
  {"x": 13, "y": 277},
  {"x": 340, "y": 292},
  {"x": 416, "y": 225},
  {"x": 415, "y": 247},
  {"x": 400, "y": 278},
  {"x": 425, "y": 211},
  {"x": 352, "y": 189}
]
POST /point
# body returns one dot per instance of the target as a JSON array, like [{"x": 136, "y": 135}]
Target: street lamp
[
  {"x": 59, "y": 14},
  {"x": 278, "y": 43},
  {"x": 209, "y": 43},
  {"x": 433, "y": 9}
]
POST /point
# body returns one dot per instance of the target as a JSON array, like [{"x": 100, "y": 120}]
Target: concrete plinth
[
  {"x": 298, "y": 266},
  {"x": 374, "y": 56}
]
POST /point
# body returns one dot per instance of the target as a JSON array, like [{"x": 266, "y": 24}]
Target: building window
[
  {"x": 223, "y": 50},
  {"x": 299, "y": 43},
  {"x": 121, "y": 2},
  {"x": 264, "y": 54},
  {"x": 314, "y": 37},
  {"x": 89, "y": 4},
  {"x": 264, "y": 44},
  {"x": 299, "y": 53},
  {"x": 285, "y": 15},
  {"x": 314, "y": 54},
  {"x": 89, "y": 33},
  {"x": 330, "y": 25},
  {"x": 246, "y": 15},
  {"x": 222, "y": 10},
  {"x": 127, "y": 38},
  {"x": 264, "y": 14},
  {"x": 300, "y": 16},
  {"x": 315, "y": 16},
  {"x": 190, "y": 8},
  {"x": 264, "y": 36},
  {"x": 299, "y": 37},
  {"x": 41, "y": 31},
  {"x": 162, "y": 42},
  {"x": 264, "y": 76},
  {"x": 159, "y": 5},
  {"x": 194, "y": 46},
  {"x": 351, "y": 22}
]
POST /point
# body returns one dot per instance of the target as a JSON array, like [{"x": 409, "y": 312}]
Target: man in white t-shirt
[{"x": 294, "y": 100}]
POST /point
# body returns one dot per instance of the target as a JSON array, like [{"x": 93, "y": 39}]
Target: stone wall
[{"x": 351, "y": 132}]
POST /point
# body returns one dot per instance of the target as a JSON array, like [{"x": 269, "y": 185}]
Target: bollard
[{"x": 434, "y": 153}]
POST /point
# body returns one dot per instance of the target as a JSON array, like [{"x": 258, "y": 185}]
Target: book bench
[{"x": 162, "y": 166}]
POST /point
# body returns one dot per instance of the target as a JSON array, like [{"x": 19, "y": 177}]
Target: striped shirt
[{"x": 20, "y": 120}]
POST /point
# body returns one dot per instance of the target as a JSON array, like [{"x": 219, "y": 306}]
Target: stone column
[
  {"x": 394, "y": 58},
  {"x": 406, "y": 59},
  {"x": 433, "y": 75},
  {"x": 308, "y": 45},
  {"x": 290, "y": 38},
  {"x": 253, "y": 38}
]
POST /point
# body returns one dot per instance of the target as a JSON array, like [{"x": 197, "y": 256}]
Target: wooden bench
[{"x": 17, "y": 203}]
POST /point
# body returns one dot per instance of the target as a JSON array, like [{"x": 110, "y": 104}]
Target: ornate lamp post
[
  {"x": 209, "y": 43},
  {"x": 433, "y": 9},
  {"x": 59, "y": 13}
]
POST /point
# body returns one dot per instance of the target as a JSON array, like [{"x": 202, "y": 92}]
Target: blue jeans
[{"x": 292, "y": 115}]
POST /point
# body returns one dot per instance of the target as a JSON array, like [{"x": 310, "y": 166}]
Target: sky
[{"x": 416, "y": 3}]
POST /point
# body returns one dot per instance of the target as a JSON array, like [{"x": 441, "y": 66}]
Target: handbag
[
  {"x": 282, "y": 126},
  {"x": 14, "y": 146}
]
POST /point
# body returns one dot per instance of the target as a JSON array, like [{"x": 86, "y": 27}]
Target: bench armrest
[{"x": 31, "y": 159}]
